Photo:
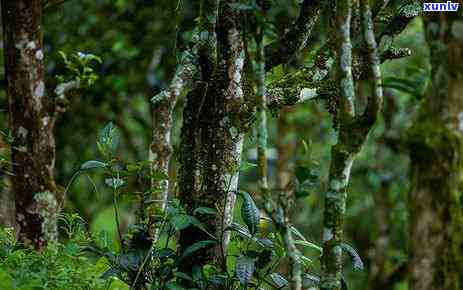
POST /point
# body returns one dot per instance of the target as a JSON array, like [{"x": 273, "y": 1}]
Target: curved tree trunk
[
  {"x": 435, "y": 142},
  {"x": 31, "y": 121}
]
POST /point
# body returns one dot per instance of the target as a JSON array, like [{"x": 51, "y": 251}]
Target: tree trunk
[
  {"x": 353, "y": 131},
  {"x": 212, "y": 138},
  {"x": 31, "y": 121},
  {"x": 435, "y": 142}
]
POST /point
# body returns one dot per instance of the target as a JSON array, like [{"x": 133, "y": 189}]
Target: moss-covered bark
[
  {"x": 353, "y": 131},
  {"x": 435, "y": 142},
  {"x": 212, "y": 136},
  {"x": 31, "y": 121}
]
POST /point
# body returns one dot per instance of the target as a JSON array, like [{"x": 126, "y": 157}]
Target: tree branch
[{"x": 297, "y": 37}]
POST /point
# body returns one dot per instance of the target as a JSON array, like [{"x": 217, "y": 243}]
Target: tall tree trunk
[
  {"x": 435, "y": 142},
  {"x": 31, "y": 121},
  {"x": 212, "y": 134},
  {"x": 216, "y": 116},
  {"x": 353, "y": 131}
]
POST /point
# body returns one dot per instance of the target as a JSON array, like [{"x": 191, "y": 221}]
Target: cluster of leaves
[
  {"x": 78, "y": 67},
  {"x": 58, "y": 266}
]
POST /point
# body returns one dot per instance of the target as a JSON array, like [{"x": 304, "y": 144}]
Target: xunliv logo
[{"x": 449, "y": 6}]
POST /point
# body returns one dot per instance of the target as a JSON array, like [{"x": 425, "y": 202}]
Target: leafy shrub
[{"x": 60, "y": 266}]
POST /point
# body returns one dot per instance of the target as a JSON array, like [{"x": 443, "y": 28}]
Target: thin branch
[
  {"x": 261, "y": 129},
  {"x": 341, "y": 156}
]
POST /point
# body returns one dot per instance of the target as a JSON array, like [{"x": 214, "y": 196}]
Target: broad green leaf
[
  {"x": 163, "y": 253},
  {"x": 108, "y": 139},
  {"x": 249, "y": 212},
  {"x": 244, "y": 269},
  {"x": 174, "y": 286},
  {"x": 92, "y": 164},
  {"x": 197, "y": 246},
  {"x": 180, "y": 221},
  {"x": 197, "y": 223},
  {"x": 242, "y": 231},
  {"x": 205, "y": 210},
  {"x": 111, "y": 272},
  {"x": 354, "y": 256},
  {"x": 279, "y": 280}
]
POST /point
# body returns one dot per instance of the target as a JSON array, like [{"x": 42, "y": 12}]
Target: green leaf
[
  {"x": 111, "y": 272},
  {"x": 279, "y": 280},
  {"x": 195, "y": 222},
  {"x": 6, "y": 281},
  {"x": 163, "y": 253},
  {"x": 295, "y": 231},
  {"x": 249, "y": 212},
  {"x": 174, "y": 286},
  {"x": 180, "y": 221},
  {"x": 308, "y": 245},
  {"x": 354, "y": 256},
  {"x": 242, "y": 231},
  {"x": 305, "y": 260},
  {"x": 108, "y": 139},
  {"x": 245, "y": 166},
  {"x": 92, "y": 164},
  {"x": 205, "y": 210},
  {"x": 244, "y": 269},
  {"x": 197, "y": 246}
]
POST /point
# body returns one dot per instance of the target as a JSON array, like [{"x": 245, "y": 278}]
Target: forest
[{"x": 231, "y": 144}]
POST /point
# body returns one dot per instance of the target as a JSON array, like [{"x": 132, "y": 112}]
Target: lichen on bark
[
  {"x": 352, "y": 133},
  {"x": 31, "y": 118}
]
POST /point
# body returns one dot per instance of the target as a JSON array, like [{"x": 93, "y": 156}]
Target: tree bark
[
  {"x": 31, "y": 121},
  {"x": 435, "y": 142},
  {"x": 212, "y": 135},
  {"x": 353, "y": 131}
]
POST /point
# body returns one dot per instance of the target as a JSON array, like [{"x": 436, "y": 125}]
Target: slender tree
[
  {"x": 31, "y": 122},
  {"x": 353, "y": 130},
  {"x": 435, "y": 141}
]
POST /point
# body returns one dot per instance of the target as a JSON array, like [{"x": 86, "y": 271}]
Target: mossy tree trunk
[
  {"x": 435, "y": 142},
  {"x": 353, "y": 131},
  {"x": 212, "y": 133},
  {"x": 31, "y": 122},
  {"x": 217, "y": 115}
]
